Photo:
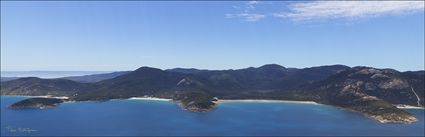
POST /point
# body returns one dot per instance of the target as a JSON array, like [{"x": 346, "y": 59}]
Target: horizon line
[{"x": 351, "y": 66}]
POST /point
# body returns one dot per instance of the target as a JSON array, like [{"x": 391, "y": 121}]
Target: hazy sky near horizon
[{"x": 110, "y": 36}]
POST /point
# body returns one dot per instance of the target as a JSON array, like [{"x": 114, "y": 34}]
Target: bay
[{"x": 161, "y": 118}]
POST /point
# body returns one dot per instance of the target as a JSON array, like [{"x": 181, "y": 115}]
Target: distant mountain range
[
  {"x": 3, "y": 79},
  {"x": 95, "y": 77},
  {"x": 83, "y": 79},
  {"x": 373, "y": 92},
  {"x": 49, "y": 74}
]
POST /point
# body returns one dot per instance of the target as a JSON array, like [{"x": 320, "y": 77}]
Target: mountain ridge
[{"x": 363, "y": 89}]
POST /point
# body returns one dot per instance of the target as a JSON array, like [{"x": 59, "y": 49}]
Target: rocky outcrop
[
  {"x": 370, "y": 91},
  {"x": 195, "y": 101}
]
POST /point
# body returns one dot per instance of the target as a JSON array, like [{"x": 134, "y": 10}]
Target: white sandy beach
[
  {"x": 47, "y": 96},
  {"x": 401, "y": 106},
  {"x": 149, "y": 98},
  {"x": 62, "y": 97},
  {"x": 266, "y": 101}
]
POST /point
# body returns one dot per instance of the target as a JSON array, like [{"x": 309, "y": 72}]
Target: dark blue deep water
[{"x": 143, "y": 117}]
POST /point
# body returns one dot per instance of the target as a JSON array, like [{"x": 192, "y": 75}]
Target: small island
[{"x": 37, "y": 103}]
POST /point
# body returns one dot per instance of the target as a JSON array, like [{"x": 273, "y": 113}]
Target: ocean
[
  {"x": 49, "y": 74},
  {"x": 162, "y": 118}
]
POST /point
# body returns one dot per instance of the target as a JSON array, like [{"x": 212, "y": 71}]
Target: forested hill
[{"x": 371, "y": 91}]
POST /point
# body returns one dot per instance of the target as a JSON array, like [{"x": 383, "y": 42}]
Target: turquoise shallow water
[{"x": 143, "y": 117}]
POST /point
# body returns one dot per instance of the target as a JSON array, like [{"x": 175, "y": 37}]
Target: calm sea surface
[{"x": 143, "y": 117}]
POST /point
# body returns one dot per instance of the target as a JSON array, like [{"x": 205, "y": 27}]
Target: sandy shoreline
[
  {"x": 401, "y": 106},
  {"x": 149, "y": 98},
  {"x": 233, "y": 100},
  {"x": 48, "y": 96},
  {"x": 266, "y": 101},
  {"x": 219, "y": 100}
]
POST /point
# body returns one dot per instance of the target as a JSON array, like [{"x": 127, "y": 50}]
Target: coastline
[
  {"x": 266, "y": 101},
  {"x": 149, "y": 98},
  {"x": 401, "y": 106},
  {"x": 218, "y": 102},
  {"x": 47, "y": 96}
]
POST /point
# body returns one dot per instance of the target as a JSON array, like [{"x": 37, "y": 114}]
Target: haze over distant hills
[
  {"x": 79, "y": 76},
  {"x": 371, "y": 91},
  {"x": 50, "y": 74}
]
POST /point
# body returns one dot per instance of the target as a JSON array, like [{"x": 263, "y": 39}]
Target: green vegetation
[
  {"x": 39, "y": 103},
  {"x": 367, "y": 90},
  {"x": 196, "y": 101}
]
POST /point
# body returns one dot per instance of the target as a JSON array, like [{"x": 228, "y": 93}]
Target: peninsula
[{"x": 376, "y": 93}]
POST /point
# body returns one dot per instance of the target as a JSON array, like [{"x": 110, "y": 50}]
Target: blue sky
[{"x": 105, "y": 36}]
